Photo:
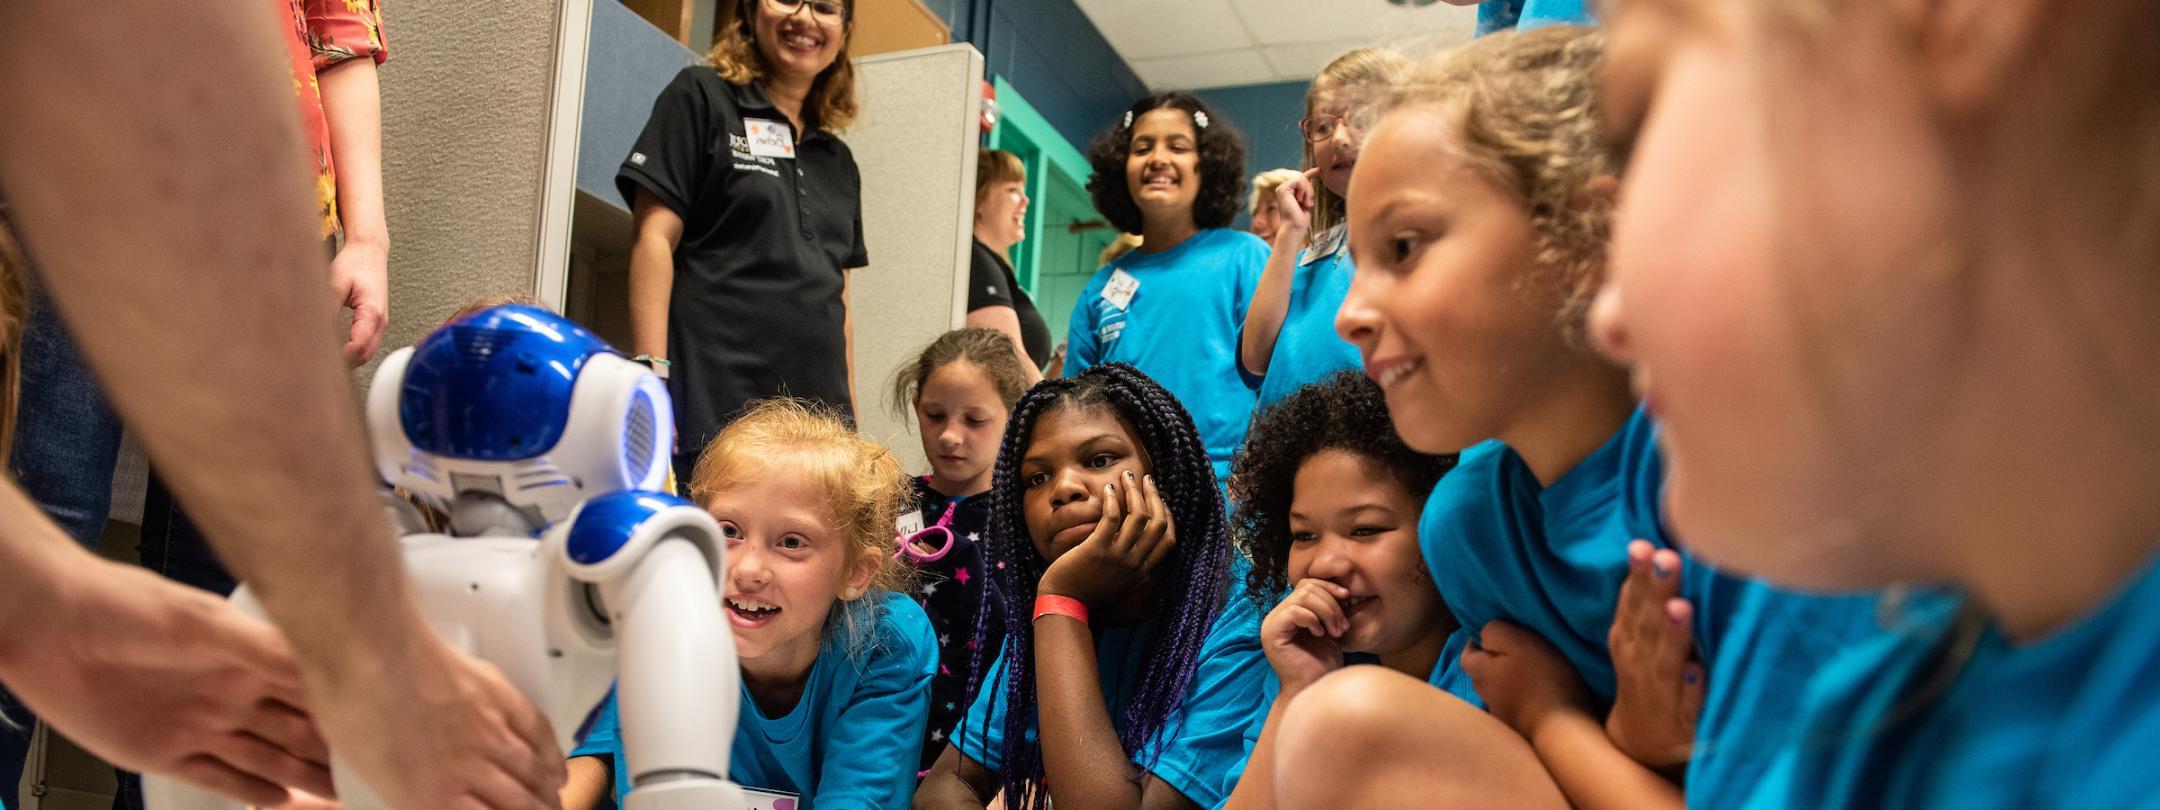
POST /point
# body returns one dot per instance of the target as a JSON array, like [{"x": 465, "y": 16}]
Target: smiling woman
[{"x": 748, "y": 211}]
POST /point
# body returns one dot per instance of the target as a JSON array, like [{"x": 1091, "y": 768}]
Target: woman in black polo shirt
[
  {"x": 995, "y": 300},
  {"x": 749, "y": 218}
]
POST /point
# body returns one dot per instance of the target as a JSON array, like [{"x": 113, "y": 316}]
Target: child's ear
[{"x": 860, "y": 574}]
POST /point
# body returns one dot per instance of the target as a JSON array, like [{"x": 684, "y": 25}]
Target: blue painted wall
[
  {"x": 628, "y": 65},
  {"x": 1268, "y": 115},
  {"x": 1050, "y": 51}
]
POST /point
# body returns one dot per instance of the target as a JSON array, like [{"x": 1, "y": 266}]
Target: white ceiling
[{"x": 1193, "y": 44}]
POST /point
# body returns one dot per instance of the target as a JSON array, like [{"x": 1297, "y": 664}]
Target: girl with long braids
[{"x": 1118, "y": 685}]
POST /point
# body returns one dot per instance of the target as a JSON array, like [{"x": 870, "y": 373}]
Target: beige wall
[
  {"x": 465, "y": 104},
  {"x": 915, "y": 143}
]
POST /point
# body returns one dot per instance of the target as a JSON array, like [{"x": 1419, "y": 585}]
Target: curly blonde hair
[
  {"x": 831, "y": 105},
  {"x": 865, "y": 490},
  {"x": 1523, "y": 109}
]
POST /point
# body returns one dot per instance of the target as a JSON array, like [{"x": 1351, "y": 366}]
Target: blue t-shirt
[
  {"x": 1553, "y": 559},
  {"x": 854, "y": 738},
  {"x": 1178, "y": 326},
  {"x": 2066, "y": 721},
  {"x": 1307, "y": 349},
  {"x": 1200, "y": 752},
  {"x": 1500, "y": 15}
]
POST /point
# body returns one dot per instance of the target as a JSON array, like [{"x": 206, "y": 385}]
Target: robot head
[{"x": 521, "y": 404}]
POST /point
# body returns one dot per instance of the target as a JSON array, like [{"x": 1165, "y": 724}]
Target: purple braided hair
[{"x": 1189, "y": 590}]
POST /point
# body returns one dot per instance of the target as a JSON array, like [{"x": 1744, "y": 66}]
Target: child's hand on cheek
[
  {"x": 1134, "y": 536},
  {"x": 1523, "y": 680},
  {"x": 1302, "y": 635},
  {"x": 1660, "y": 685}
]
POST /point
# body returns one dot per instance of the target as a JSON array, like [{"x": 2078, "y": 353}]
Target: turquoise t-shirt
[
  {"x": 1500, "y": 15},
  {"x": 2070, "y": 720},
  {"x": 854, "y": 739},
  {"x": 1307, "y": 349},
  {"x": 1553, "y": 559},
  {"x": 1178, "y": 326},
  {"x": 1202, "y": 749}
]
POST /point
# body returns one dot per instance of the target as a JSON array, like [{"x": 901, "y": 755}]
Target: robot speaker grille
[{"x": 638, "y": 436}]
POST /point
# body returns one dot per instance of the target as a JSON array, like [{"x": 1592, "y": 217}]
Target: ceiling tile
[
  {"x": 1154, "y": 29},
  {"x": 1304, "y": 60},
  {"x": 1276, "y": 22},
  {"x": 1205, "y": 70}
]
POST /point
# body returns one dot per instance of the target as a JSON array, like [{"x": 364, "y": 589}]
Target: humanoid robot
[{"x": 562, "y": 563}]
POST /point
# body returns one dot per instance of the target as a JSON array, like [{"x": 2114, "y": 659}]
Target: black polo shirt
[
  {"x": 991, "y": 283},
  {"x": 767, "y": 241}
]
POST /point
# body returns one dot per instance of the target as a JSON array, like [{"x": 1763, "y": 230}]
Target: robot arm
[{"x": 656, "y": 560}]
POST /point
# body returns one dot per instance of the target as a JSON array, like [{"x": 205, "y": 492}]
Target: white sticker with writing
[
  {"x": 1121, "y": 289},
  {"x": 770, "y": 138}
]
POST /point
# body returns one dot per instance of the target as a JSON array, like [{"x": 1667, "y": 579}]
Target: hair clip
[
  {"x": 1128, "y": 119},
  {"x": 1199, "y": 119}
]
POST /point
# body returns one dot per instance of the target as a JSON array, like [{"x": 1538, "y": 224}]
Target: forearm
[
  {"x": 1270, "y": 303},
  {"x": 37, "y": 564},
  {"x": 1005, "y": 319},
  {"x": 652, "y": 282},
  {"x": 352, "y": 104},
  {"x": 847, "y": 330},
  {"x": 591, "y": 780},
  {"x": 1256, "y": 787},
  {"x": 209, "y": 294},
  {"x": 955, "y": 782},
  {"x": 1084, "y": 765},
  {"x": 1592, "y": 772}
]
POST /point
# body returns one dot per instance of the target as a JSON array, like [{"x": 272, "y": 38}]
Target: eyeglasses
[
  {"x": 828, "y": 13},
  {"x": 1322, "y": 127}
]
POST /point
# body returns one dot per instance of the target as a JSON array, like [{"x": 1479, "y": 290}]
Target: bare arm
[
  {"x": 592, "y": 779},
  {"x": 1271, "y": 297},
  {"x": 1085, "y": 764},
  {"x": 207, "y": 293},
  {"x": 652, "y": 273},
  {"x": 352, "y": 105},
  {"x": 847, "y": 329},
  {"x": 1006, "y": 319},
  {"x": 956, "y": 782},
  {"x": 1592, "y": 771}
]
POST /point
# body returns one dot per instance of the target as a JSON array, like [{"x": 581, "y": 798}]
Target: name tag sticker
[
  {"x": 756, "y": 799},
  {"x": 1121, "y": 288},
  {"x": 770, "y": 138},
  {"x": 911, "y": 523}
]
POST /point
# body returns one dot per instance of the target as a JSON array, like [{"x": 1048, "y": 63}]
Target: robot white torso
[{"x": 563, "y": 565}]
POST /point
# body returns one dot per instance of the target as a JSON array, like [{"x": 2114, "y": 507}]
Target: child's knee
[{"x": 1339, "y": 722}]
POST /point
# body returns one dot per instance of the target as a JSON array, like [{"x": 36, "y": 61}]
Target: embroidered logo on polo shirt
[{"x": 637, "y": 158}]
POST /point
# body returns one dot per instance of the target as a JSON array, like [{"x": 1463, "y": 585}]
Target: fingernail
[
  {"x": 1660, "y": 567},
  {"x": 1128, "y": 475}
]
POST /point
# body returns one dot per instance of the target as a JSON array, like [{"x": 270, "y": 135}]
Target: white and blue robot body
[{"x": 563, "y": 567}]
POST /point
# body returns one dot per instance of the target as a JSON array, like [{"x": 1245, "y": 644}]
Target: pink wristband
[{"x": 1048, "y": 605}]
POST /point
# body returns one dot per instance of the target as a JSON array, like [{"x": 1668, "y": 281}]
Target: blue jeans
[{"x": 67, "y": 442}]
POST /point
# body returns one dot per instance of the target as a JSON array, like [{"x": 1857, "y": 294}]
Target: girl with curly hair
[
  {"x": 1173, "y": 171},
  {"x": 836, "y": 659},
  {"x": 1119, "y": 685},
  {"x": 1328, "y": 500}
]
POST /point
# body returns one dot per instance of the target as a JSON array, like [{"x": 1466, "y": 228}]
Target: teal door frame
[{"x": 1024, "y": 132}]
